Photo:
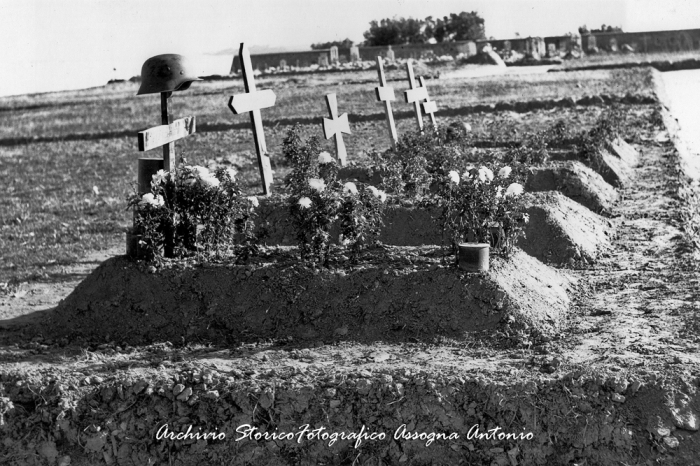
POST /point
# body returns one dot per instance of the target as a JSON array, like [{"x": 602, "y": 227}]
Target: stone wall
[{"x": 643, "y": 42}]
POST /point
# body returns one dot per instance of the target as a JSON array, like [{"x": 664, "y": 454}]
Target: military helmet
[{"x": 164, "y": 73}]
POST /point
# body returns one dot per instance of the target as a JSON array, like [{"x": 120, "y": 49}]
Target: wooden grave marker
[
  {"x": 164, "y": 135},
  {"x": 386, "y": 94},
  {"x": 253, "y": 101},
  {"x": 429, "y": 106},
  {"x": 336, "y": 126},
  {"x": 167, "y": 133},
  {"x": 415, "y": 94}
]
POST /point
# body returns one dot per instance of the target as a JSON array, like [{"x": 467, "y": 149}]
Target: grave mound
[
  {"x": 576, "y": 181},
  {"x": 562, "y": 231},
  {"x": 393, "y": 294}
]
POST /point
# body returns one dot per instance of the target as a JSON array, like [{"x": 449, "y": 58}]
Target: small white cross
[
  {"x": 252, "y": 101},
  {"x": 336, "y": 126},
  {"x": 386, "y": 94},
  {"x": 429, "y": 106},
  {"x": 415, "y": 94}
]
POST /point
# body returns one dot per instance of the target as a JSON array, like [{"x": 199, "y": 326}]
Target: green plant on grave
[
  {"x": 607, "y": 128},
  {"x": 205, "y": 212},
  {"x": 419, "y": 159},
  {"x": 533, "y": 149},
  {"x": 480, "y": 206},
  {"x": 317, "y": 200}
]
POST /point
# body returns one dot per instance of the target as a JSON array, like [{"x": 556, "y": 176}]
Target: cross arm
[
  {"x": 243, "y": 103},
  {"x": 164, "y": 134}
]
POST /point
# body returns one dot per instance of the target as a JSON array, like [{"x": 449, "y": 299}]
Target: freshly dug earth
[
  {"x": 576, "y": 181},
  {"x": 618, "y": 386},
  {"x": 560, "y": 230},
  {"x": 392, "y": 295}
]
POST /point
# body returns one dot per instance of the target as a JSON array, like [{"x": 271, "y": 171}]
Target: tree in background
[
  {"x": 341, "y": 44},
  {"x": 397, "y": 31},
  {"x": 603, "y": 28}
]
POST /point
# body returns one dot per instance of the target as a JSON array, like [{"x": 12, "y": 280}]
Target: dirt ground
[{"x": 618, "y": 384}]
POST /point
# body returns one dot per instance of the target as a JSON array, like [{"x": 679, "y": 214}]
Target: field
[{"x": 590, "y": 343}]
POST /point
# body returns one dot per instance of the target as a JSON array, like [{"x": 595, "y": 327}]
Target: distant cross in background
[
  {"x": 386, "y": 94},
  {"x": 415, "y": 94},
  {"x": 252, "y": 101},
  {"x": 429, "y": 106},
  {"x": 336, "y": 126}
]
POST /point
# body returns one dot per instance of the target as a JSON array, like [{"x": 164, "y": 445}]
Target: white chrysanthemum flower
[
  {"x": 202, "y": 172},
  {"x": 350, "y": 187},
  {"x": 304, "y": 202},
  {"x": 454, "y": 177},
  {"x": 325, "y": 157},
  {"x": 254, "y": 201},
  {"x": 210, "y": 181},
  {"x": 160, "y": 176},
  {"x": 318, "y": 184},
  {"x": 381, "y": 195},
  {"x": 231, "y": 173},
  {"x": 467, "y": 127},
  {"x": 150, "y": 199},
  {"x": 375, "y": 191},
  {"x": 515, "y": 189},
  {"x": 499, "y": 191},
  {"x": 504, "y": 172},
  {"x": 485, "y": 174}
]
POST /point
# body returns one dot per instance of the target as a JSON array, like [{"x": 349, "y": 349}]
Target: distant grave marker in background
[
  {"x": 385, "y": 94},
  {"x": 354, "y": 53},
  {"x": 323, "y": 60},
  {"x": 253, "y": 101},
  {"x": 336, "y": 126},
  {"x": 390, "y": 56},
  {"x": 334, "y": 54}
]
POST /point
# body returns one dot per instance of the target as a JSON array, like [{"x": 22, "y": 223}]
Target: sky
[{"x": 50, "y": 45}]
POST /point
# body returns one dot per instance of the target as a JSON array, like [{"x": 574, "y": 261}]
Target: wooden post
[
  {"x": 166, "y": 119},
  {"x": 415, "y": 94},
  {"x": 386, "y": 94},
  {"x": 429, "y": 106},
  {"x": 336, "y": 126},
  {"x": 164, "y": 135},
  {"x": 252, "y": 101}
]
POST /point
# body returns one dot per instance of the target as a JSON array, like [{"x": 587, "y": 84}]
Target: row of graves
[
  {"x": 406, "y": 289},
  {"x": 559, "y": 213}
]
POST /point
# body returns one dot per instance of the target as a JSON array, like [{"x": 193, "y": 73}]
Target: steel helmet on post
[{"x": 166, "y": 73}]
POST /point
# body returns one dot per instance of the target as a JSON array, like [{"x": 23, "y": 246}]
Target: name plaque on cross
[{"x": 252, "y": 102}]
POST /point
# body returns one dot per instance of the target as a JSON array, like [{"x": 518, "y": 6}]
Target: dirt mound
[
  {"x": 575, "y": 181},
  {"x": 396, "y": 295},
  {"x": 612, "y": 168},
  {"x": 562, "y": 231}
]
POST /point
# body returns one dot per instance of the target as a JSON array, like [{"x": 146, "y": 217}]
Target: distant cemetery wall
[
  {"x": 642, "y": 42},
  {"x": 646, "y": 42}
]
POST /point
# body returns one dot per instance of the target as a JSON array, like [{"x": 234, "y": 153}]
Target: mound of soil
[
  {"x": 392, "y": 295},
  {"x": 612, "y": 168},
  {"x": 562, "y": 231},
  {"x": 427, "y": 411},
  {"x": 576, "y": 181}
]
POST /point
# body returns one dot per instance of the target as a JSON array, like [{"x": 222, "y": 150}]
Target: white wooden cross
[
  {"x": 415, "y": 94},
  {"x": 429, "y": 106},
  {"x": 386, "y": 94},
  {"x": 166, "y": 134},
  {"x": 252, "y": 101},
  {"x": 336, "y": 126}
]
